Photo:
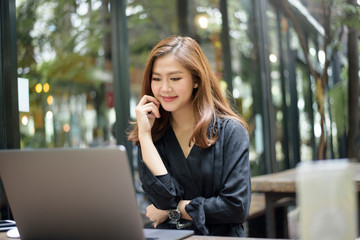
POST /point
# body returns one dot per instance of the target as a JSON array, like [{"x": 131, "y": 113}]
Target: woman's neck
[{"x": 184, "y": 120}]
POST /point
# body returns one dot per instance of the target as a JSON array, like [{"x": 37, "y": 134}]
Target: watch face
[{"x": 174, "y": 215}]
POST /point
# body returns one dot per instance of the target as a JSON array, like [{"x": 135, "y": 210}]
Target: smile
[{"x": 168, "y": 99}]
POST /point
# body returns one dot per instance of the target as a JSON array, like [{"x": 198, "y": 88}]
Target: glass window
[
  {"x": 242, "y": 56},
  {"x": 304, "y": 104},
  {"x": 64, "y": 51},
  {"x": 277, "y": 83}
]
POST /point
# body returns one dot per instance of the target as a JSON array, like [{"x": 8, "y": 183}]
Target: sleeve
[
  {"x": 233, "y": 201},
  {"x": 164, "y": 192}
]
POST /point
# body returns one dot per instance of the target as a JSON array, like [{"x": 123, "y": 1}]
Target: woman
[{"x": 193, "y": 149}]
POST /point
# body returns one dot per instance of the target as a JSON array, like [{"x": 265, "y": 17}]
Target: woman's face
[{"x": 172, "y": 84}]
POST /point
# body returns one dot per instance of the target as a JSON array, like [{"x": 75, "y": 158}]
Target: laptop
[{"x": 75, "y": 194}]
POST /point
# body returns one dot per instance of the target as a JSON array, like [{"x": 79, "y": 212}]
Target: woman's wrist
[
  {"x": 144, "y": 136},
  {"x": 151, "y": 156},
  {"x": 181, "y": 206}
]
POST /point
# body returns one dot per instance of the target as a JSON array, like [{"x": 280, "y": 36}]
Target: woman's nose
[{"x": 165, "y": 86}]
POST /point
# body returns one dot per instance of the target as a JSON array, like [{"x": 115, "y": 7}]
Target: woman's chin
[{"x": 166, "y": 107}]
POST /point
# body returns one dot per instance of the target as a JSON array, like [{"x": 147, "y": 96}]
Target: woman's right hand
[
  {"x": 146, "y": 112},
  {"x": 157, "y": 216}
]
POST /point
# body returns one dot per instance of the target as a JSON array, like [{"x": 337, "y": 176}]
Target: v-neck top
[{"x": 216, "y": 179}]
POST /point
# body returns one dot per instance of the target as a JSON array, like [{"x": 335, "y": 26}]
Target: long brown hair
[{"x": 208, "y": 100}]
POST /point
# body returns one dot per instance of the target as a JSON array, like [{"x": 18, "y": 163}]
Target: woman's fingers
[
  {"x": 152, "y": 109},
  {"x": 146, "y": 112},
  {"x": 148, "y": 109},
  {"x": 149, "y": 105},
  {"x": 146, "y": 99}
]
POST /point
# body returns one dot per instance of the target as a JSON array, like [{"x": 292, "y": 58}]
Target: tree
[
  {"x": 353, "y": 57},
  {"x": 335, "y": 18}
]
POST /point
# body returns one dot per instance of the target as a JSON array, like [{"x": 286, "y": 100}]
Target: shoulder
[
  {"x": 230, "y": 124},
  {"x": 231, "y": 130}
]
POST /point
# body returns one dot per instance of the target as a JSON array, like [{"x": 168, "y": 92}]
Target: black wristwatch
[{"x": 174, "y": 214}]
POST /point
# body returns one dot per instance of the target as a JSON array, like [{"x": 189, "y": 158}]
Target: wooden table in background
[{"x": 280, "y": 185}]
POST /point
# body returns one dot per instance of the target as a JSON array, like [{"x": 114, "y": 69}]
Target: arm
[
  {"x": 151, "y": 156},
  {"x": 146, "y": 112},
  {"x": 163, "y": 191}
]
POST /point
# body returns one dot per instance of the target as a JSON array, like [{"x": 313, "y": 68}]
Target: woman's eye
[
  {"x": 175, "y": 79},
  {"x": 155, "y": 79}
]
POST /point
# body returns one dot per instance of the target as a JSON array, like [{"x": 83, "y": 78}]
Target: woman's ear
[{"x": 196, "y": 84}]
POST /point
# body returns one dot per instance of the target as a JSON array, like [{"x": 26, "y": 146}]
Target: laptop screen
[{"x": 71, "y": 193}]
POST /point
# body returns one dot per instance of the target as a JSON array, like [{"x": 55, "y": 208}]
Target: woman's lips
[{"x": 168, "y": 99}]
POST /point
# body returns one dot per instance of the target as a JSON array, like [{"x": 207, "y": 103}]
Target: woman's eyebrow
[
  {"x": 169, "y": 73},
  {"x": 175, "y": 72}
]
